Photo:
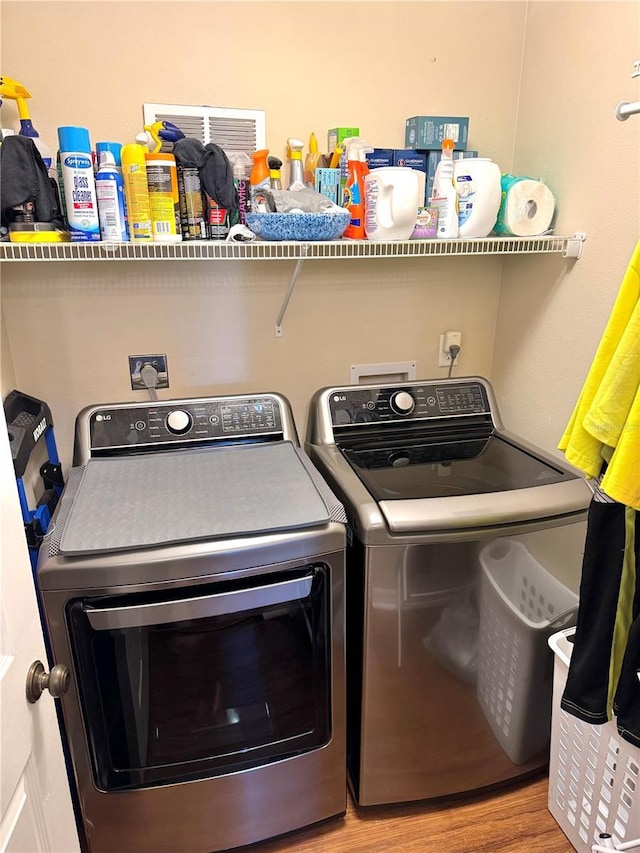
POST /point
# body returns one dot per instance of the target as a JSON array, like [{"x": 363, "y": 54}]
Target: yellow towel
[{"x": 607, "y": 414}]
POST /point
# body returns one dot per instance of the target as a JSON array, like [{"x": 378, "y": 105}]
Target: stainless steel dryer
[
  {"x": 465, "y": 556},
  {"x": 193, "y": 586}
]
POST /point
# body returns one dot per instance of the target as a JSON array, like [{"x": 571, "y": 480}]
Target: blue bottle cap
[
  {"x": 74, "y": 139},
  {"x": 114, "y": 147}
]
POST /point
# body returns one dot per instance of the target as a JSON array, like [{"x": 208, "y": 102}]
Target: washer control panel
[
  {"x": 185, "y": 421},
  {"x": 361, "y": 405}
]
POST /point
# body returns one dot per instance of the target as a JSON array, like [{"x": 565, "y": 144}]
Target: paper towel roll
[{"x": 527, "y": 207}]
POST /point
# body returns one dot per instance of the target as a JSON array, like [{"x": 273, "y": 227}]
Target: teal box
[
  {"x": 433, "y": 158},
  {"x": 327, "y": 182},
  {"x": 380, "y": 157},
  {"x": 427, "y": 132}
]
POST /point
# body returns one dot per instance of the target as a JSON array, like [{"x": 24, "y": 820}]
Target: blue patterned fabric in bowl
[{"x": 298, "y": 226}]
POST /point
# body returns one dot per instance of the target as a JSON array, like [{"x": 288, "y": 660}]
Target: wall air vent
[{"x": 231, "y": 129}]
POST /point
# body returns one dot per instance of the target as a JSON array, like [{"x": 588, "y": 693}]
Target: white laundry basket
[
  {"x": 594, "y": 775},
  {"x": 521, "y": 605}
]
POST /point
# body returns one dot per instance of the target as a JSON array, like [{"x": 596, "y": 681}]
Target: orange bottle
[
  {"x": 353, "y": 198},
  {"x": 259, "y": 180}
]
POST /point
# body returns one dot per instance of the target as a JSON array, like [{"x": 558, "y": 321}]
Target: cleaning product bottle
[
  {"x": 14, "y": 91},
  {"x": 354, "y": 189},
  {"x": 445, "y": 198},
  {"x": 134, "y": 173},
  {"x": 112, "y": 207},
  {"x": 259, "y": 180},
  {"x": 164, "y": 206},
  {"x": 296, "y": 171},
  {"x": 79, "y": 184},
  {"x": 275, "y": 175},
  {"x": 478, "y": 184},
  {"x": 241, "y": 163},
  {"x": 311, "y": 162}
]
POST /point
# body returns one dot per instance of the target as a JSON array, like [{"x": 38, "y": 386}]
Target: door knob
[{"x": 56, "y": 681}]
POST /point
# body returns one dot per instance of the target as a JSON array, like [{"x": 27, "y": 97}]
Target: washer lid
[{"x": 188, "y": 495}]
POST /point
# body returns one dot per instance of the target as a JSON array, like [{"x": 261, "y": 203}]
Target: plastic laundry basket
[
  {"x": 594, "y": 775},
  {"x": 521, "y": 605}
]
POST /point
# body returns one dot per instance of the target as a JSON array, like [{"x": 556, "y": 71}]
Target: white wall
[{"x": 577, "y": 66}]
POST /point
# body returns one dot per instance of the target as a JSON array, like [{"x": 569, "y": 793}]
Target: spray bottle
[
  {"x": 81, "y": 201},
  {"x": 353, "y": 197},
  {"x": 112, "y": 208},
  {"x": 311, "y": 162},
  {"x": 241, "y": 163},
  {"x": 275, "y": 175},
  {"x": 445, "y": 198},
  {"x": 11, "y": 90},
  {"x": 259, "y": 180},
  {"x": 296, "y": 171}
]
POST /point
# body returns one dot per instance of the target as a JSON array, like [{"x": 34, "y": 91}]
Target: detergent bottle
[
  {"x": 354, "y": 188},
  {"x": 445, "y": 198},
  {"x": 259, "y": 181},
  {"x": 296, "y": 171}
]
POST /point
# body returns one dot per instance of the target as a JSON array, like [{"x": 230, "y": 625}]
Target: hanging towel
[{"x": 606, "y": 419}]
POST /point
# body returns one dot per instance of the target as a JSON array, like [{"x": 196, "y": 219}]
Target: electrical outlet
[
  {"x": 446, "y": 341},
  {"x": 137, "y": 362}
]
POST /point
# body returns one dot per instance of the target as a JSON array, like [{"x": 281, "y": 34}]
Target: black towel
[
  {"x": 216, "y": 172},
  {"x": 24, "y": 178}
]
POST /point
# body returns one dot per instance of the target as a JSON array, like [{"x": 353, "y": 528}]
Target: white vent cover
[{"x": 231, "y": 129}]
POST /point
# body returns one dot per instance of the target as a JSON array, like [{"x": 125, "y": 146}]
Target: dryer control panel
[
  {"x": 413, "y": 402},
  {"x": 122, "y": 428}
]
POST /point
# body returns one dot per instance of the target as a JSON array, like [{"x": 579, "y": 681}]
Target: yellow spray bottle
[{"x": 311, "y": 162}]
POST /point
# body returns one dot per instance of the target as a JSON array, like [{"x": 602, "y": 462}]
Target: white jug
[{"x": 392, "y": 196}]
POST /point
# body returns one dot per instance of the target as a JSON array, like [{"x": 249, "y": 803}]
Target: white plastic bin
[
  {"x": 594, "y": 775},
  {"x": 521, "y": 605}
]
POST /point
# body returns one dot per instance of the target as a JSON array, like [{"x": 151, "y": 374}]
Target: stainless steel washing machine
[
  {"x": 465, "y": 552},
  {"x": 193, "y": 585}
]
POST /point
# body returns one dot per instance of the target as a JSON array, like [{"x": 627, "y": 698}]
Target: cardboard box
[
  {"x": 410, "y": 158},
  {"x": 327, "y": 182},
  {"x": 380, "y": 157},
  {"x": 427, "y": 132},
  {"x": 337, "y": 134},
  {"x": 433, "y": 158}
]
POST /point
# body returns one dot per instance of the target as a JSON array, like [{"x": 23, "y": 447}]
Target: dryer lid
[{"x": 191, "y": 495}]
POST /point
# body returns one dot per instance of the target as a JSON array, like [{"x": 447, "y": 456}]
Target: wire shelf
[{"x": 261, "y": 251}]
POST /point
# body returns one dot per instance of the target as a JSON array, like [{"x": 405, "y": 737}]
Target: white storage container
[
  {"x": 594, "y": 775},
  {"x": 521, "y": 605}
]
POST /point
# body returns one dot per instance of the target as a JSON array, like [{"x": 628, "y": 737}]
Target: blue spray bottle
[{"x": 112, "y": 207}]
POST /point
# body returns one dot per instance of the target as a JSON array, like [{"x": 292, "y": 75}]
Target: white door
[{"x": 36, "y": 815}]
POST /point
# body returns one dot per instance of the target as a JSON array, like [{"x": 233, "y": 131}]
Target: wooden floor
[{"x": 515, "y": 820}]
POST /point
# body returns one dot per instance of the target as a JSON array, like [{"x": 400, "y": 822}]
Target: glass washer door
[{"x": 176, "y": 699}]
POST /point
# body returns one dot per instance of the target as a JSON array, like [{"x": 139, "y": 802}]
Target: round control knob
[
  {"x": 402, "y": 403},
  {"x": 179, "y": 422}
]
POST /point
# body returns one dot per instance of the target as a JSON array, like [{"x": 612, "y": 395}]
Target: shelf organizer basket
[
  {"x": 521, "y": 605},
  {"x": 594, "y": 775}
]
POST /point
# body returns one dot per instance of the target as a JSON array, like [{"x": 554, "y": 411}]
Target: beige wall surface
[
  {"x": 577, "y": 67},
  {"x": 539, "y": 81},
  {"x": 310, "y": 66}
]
